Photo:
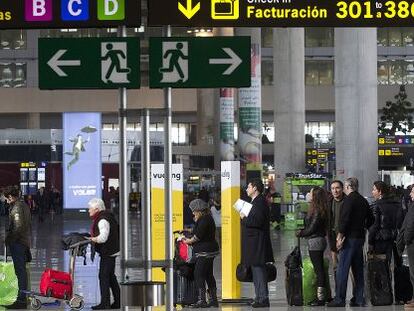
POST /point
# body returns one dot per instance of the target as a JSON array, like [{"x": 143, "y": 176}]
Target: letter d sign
[
  {"x": 38, "y": 10},
  {"x": 111, "y": 10}
]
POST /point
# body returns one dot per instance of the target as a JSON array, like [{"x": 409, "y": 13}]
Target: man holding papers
[{"x": 256, "y": 245}]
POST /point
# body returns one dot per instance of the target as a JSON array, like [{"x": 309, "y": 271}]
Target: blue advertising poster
[{"x": 81, "y": 158}]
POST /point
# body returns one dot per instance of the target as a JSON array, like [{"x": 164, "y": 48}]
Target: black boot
[
  {"x": 320, "y": 298},
  {"x": 212, "y": 297},
  {"x": 201, "y": 303}
]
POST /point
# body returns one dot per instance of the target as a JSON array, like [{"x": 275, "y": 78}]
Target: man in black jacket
[
  {"x": 354, "y": 219},
  {"x": 105, "y": 235},
  {"x": 18, "y": 241},
  {"x": 256, "y": 244}
]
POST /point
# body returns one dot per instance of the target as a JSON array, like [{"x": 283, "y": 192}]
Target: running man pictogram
[
  {"x": 117, "y": 67},
  {"x": 175, "y": 61}
]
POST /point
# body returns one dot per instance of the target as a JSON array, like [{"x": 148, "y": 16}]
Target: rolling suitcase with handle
[
  {"x": 293, "y": 280},
  {"x": 379, "y": 280}
]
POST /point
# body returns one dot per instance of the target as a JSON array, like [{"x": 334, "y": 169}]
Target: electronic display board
[
  {"x": 317, "y": 158},
  {"x": 25, "y": 14},
  {"x": 281, "y": 13}
]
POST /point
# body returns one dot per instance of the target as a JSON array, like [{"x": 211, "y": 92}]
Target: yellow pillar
[
  {"x": 230, "y": 226},
  {"x": 157, "y": 211}
]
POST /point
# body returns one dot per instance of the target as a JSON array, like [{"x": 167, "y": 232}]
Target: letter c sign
[{"x": 75, "y": 10}]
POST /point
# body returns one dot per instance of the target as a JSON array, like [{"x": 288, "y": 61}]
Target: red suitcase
[{"x": 56, "y": 284}]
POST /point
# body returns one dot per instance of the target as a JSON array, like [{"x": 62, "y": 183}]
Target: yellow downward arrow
[{"x": 189, "y": 11}]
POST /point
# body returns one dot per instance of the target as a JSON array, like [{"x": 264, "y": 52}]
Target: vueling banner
[
  {"x": 230, "y": 227},
  {"x": 158, "y": 211}
]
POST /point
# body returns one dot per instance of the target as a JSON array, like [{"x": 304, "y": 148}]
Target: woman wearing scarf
[
  {"x": 205, "y": 248},
  {"x": 105, "y": 235}
]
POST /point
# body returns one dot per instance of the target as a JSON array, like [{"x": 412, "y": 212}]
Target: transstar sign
[{"x": 24, "y": 14}]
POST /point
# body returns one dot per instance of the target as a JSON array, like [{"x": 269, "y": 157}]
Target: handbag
[{"x": 244, "y": 272}]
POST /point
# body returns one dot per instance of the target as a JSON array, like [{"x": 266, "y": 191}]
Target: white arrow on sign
[
  {"x": 234, "y": 61},
  {"x": 55, "y": 63}
]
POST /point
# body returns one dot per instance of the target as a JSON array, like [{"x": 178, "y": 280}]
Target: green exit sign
[
  {"x": 200, "y": 62},
  {"x": 89, "y": 63}
]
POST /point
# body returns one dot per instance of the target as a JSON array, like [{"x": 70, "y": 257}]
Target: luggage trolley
[{"x": 59, "y": 284}]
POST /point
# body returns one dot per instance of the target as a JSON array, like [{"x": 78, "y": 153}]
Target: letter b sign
[{"x": 111, "y": 10}]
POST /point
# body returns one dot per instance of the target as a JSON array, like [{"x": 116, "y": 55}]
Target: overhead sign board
[
  {"x": 89, "y": 63},
  {"x": 199, "y": 62},
  {"x": 23, "y": 14},
  {"x": 281, "y": 13}
]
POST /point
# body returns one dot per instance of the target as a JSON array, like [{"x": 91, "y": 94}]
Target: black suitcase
[
  {"x": 185, "y": 290},
  {"x": 293, "y": 283},
  {"x": 403, "y": 289},
  {"x": 379, "y": 280},
  {"x": 293, "y": 280}
]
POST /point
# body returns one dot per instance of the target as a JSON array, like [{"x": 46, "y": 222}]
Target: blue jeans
[
  {"x": 350, "y": 256},
  {"x": 18, "y": 252},
  {"x": 260, "y": 283}
]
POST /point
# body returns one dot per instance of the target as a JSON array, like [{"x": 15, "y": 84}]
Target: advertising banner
[
  {"x": 250, "y": 114},
  {"x": 226, "y": 124},
  {"x": 158, "y": 211},
  {"x": 230, "y": 227},
  {"x": 81, "y": 159}
]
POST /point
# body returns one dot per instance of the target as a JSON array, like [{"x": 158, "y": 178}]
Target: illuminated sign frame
[
  {"x": 281, "y": 13},
  {"x": 34, "y": 14}
]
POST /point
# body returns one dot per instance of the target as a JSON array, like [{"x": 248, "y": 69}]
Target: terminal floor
[{"x": 47, "y": 252}]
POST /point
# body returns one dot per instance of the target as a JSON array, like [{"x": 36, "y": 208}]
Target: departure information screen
[{"x": 281, "y": 13}]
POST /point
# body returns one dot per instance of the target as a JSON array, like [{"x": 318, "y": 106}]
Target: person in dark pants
[
  {"x": 256, "y": 244},
  {"x": 18, "y": 241},
  {"x": 408, "y": 227},
  {"x": 354, "y": 219},
  {"x": 315, "y": 231},
  {"x": 105, "y": 235},
  {"x": 205, "y": 248},
  {"x": 388, "y": 216}
]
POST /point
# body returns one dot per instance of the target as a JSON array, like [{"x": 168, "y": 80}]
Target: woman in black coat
[
  {"x": 205, "y": 248},
  {"x": 388, "y": 217},
  {"x": 256, "y": 244},
  {"x": 315, "y": 232}
]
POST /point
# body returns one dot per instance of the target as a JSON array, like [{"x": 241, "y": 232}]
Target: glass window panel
[
  {"x": 395, "y": 72},
  {"x": 267, "y": 37},
  {"x": 408, "y": 36},
  {"x": 326, "y": 72},
  {"x": 395, "y": 36},
  {"x": 311, "y": 73},
  {"x": 409, "y": 71},
  {"x": 6, "y": 75},
  {"x": 174, "y": 134},
  {"x": 382, "y": 37},
  {"x": 382, "y": 72},
  {"x": 20, "y": 75},
  {"x": 267, "y": 72},
  {"x": 319, "y": 37}
]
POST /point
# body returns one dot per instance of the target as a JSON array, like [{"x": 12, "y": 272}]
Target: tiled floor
[{"x": 47, "y": 253}]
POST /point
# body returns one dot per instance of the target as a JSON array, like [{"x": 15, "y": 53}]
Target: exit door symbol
[
  {"x": 174, "y": 62},
  {"x": 114, "y": 62}
]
